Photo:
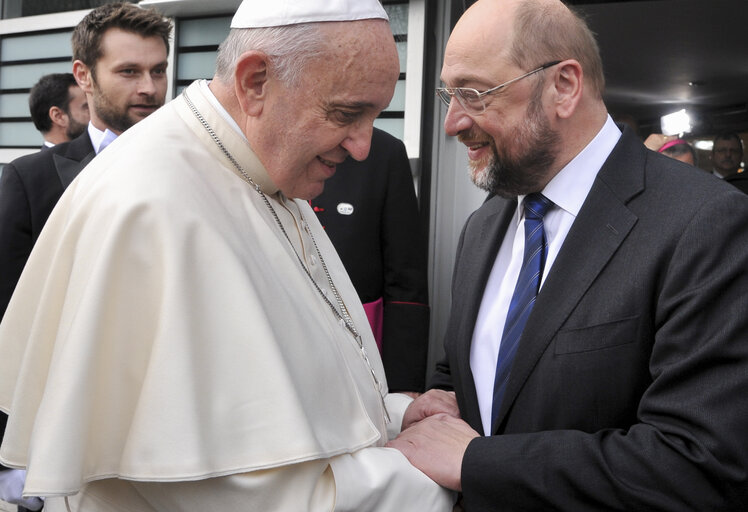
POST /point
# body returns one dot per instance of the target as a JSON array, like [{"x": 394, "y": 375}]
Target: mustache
[
  {"x": 150, "y": 101},
  {"x": 474, "y": 137}
]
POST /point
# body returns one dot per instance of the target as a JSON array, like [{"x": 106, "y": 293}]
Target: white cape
[{"x": 163, "y": 329}]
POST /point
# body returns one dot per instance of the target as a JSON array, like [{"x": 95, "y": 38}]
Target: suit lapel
[
  {"x": 600, "y": 228},
  {"x": 77, "y": 155}
]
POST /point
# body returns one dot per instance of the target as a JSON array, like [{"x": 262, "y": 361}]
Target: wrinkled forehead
[
  {"x": 357, "y": 48},
  {"x": 359, "y": 66},
  {"x": 362, "y": 38}
]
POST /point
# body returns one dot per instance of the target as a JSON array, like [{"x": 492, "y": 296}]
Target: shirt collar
[{"x": 100, "y": 139}]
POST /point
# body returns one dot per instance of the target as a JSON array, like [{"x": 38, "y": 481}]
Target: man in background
[
  {"x": 58, "y": 108},
  {"x": 727, "y": 154},
  {"x": 119, "y": 53},
  {"x": 596, "y": 344}
]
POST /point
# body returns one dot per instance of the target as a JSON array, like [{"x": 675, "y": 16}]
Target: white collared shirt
[
  {"x": 568, "y": 191},
  {"x": 100, "y": 139}
]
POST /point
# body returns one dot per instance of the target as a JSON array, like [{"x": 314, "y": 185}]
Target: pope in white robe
[{"x": 183, "y": 341}]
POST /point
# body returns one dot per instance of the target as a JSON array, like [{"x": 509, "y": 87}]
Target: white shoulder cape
[{"x": 163, "y": 329}]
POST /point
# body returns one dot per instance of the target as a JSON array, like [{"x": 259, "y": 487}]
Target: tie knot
[{"x": 536, "y": 206}]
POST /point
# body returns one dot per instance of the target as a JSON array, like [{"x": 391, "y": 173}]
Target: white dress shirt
[
  {"x": 100, "y": 139},
  {"x": 568, "y": 190}
]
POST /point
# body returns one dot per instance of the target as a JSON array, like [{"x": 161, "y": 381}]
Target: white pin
[{"x": 345, "y": 209}]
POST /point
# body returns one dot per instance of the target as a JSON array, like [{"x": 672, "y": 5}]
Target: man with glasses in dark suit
[{"x": 596, "y": 354}]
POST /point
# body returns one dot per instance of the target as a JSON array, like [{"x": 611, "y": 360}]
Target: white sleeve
[
  {"x": 370, "y": 480},
  {"x": 382, "y": 480},
  {"x": 396, "y": 404}
]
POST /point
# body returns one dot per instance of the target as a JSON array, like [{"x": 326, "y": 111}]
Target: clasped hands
[{"x": 434, "y": 437}]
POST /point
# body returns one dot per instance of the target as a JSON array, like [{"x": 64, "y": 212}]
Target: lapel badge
[{"x": 345, "y": 208}]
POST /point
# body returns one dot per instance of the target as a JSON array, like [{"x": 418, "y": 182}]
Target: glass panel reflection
[
  {"x": 398, "y": 14},
  {"x": 14, "y": 105},
  {"x": 37, "y": 46},
  {"x": 402, "y": 53},
  {"x": 191, "y": 66},
  {"x": 395, "y": 127},
  {"x": 203, "y": 31},
  {"x": 19, "y": 134},
  {"x": 398, "y": 99},
  {"x": 23, "y": 76}
]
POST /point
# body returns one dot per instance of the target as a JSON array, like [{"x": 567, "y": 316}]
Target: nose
[
  {"x": 358, "y": 141},
  {"x": 147, "y": 85},
  {"x": 457, "y": 119}
]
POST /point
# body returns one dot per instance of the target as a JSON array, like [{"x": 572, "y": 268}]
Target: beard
[
  {"x": 523, "y": 165},
  {"x": 74, "y": 128},
  {"x": 118, "y": 117}
]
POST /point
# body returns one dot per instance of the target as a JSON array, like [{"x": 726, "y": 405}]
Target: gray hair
[{"x": 290, "y": 49}]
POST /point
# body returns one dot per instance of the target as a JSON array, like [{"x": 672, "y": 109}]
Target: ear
[
  {"x": 251, "y": 80},
  {"x": 83, "y": 76},
  {"x": 568, "y": 85},
  {"x": 58, "y": 116}
]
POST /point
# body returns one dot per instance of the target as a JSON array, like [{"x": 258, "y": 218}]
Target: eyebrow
[
  {"x": 461, "y": 81},
  {"x": 354, "y": 105},
  {"x": 129, "y": 64}
]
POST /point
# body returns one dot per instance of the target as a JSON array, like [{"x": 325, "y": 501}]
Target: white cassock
[{"x": 166, "y": 350}]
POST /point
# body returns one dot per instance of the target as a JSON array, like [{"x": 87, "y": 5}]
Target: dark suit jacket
[
  {"x": 739, "y": 180},
  {"x": 3, "y": 422},
  {"x": 629, "y": 389},
  {"x": 29, "y": 189},
  {"x": 382, "y": 249}
]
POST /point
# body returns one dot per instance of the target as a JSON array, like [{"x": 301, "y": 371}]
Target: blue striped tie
[{"x": 525, "y": 292}]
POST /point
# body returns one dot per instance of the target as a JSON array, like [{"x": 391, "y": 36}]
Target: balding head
[{"x": 527, "y": 33}]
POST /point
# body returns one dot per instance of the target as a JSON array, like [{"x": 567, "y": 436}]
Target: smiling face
[
  {"x": 308, "y": 128},
  {"x": 129, "y": 81},
  {"x": 516, "y": 164},
  {"x": 511, "y": 146}
]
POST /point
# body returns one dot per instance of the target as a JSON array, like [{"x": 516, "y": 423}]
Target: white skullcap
[{"x": 278, "y": 13}]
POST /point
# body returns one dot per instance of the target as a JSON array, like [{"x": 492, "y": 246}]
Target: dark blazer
[
  {"x": 381, "y": 246},
  {"x": 629, "y": 389},
  {"x": 739, "y": 180},
  {"x": 29, "y": 189},
  {"x": 3, "y": 423}
]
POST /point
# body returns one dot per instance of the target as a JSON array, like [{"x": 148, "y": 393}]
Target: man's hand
[
  {"x": 434, "y": 401},
  {"x": 436, "y": 446},
  {"x": 656, "y": 140}
]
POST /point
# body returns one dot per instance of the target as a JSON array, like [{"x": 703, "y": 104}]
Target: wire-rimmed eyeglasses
[{"x": 472, "y": 99}]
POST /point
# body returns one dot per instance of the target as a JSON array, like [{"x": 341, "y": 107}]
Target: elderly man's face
[
  {"x": 313, "y": 126},
  {"x": 511, "y": 146}
]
